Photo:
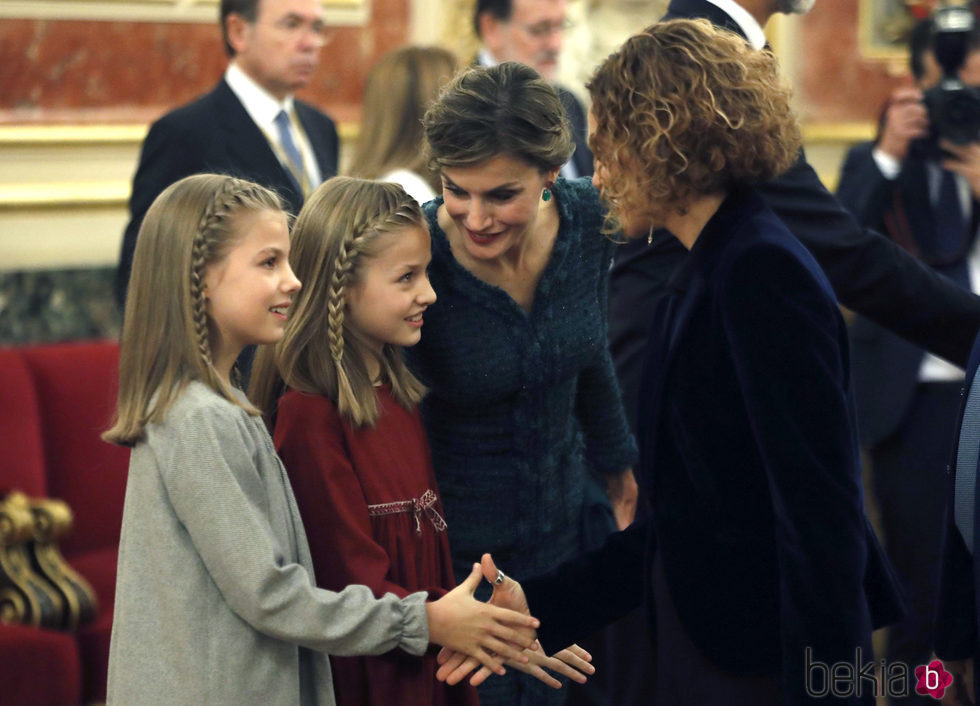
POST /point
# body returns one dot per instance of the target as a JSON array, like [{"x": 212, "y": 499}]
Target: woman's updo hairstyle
[{"x": 506, "y": 109}]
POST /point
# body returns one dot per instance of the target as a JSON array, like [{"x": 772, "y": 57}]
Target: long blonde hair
[
  {"x": 340, "y": 225},
  {"x": 399, "y": 89},
  {"x": 166, "y": 329}
]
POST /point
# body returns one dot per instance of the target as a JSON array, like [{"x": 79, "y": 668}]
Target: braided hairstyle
[
  {"x": 166, "y": 328},
  {"x": 343, "y": 222}
]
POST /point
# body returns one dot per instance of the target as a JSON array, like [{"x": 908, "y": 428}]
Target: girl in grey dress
[{"x": 215, "y": 597}]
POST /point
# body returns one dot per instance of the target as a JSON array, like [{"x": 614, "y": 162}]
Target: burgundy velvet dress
[{"x": 373, "y": 516}]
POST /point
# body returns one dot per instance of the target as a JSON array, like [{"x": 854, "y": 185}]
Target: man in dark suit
[
  {"x": 531, "y": 32},
  {"x": 870, "y": 274},
  {"x": 957, "y": 617},
  {"x": 907, "y": 400},
  {"x": 249, "y": 125}
]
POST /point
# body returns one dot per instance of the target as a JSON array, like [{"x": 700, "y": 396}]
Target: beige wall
[
  {"x": 63, "y": 188},
  {"x": 64, "y": 193}
]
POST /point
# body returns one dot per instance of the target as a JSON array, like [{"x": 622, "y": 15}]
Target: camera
[{"x": 953, "y": 107}]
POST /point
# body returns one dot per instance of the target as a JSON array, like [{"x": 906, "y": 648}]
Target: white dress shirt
[
  {"x": 746, "y": 22},
  {"x": 263, "y": 108}
]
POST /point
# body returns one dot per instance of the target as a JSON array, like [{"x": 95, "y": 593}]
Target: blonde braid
[
  {"x": 335, "y": 303},
  {"x": 346, "y": 258},
  {"x": 203, "y": 252}
]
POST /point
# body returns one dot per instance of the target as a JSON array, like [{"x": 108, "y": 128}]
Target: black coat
[
  {"x": 749, "y": 461},
  {"x": 957, "y": 617},
  {"x": 216, "y": 134}
]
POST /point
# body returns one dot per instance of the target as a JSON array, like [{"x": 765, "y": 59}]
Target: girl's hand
[
  {"x": 572, "y": 662},
  {"x": 485, "y": 632}
]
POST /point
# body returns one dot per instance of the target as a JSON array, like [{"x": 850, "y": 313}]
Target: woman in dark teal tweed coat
[{"x": 523, "y": 403}]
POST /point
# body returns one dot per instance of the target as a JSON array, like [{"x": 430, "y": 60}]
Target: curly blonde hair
[{"x": 683, "y": 110}]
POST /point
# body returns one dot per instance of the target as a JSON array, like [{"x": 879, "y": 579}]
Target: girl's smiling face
[
  {"x": 391, "y": 290},
  {"x": 249, "y": 290}
]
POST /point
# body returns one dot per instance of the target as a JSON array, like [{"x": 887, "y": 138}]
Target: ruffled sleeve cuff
[{"x": 415, "y": 624}]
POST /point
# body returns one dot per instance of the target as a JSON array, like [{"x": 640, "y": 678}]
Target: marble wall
[
  {"x": 87, "y": 78},
  {"x": 81, "y": 79},
  {"x": 838, "y": 76},
  {"x": 77, "y": 71}
]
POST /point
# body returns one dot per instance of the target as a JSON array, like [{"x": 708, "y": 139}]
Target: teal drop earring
[{"x": 546, "y": 194}]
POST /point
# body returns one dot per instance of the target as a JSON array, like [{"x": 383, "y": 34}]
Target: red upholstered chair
[
  {"x": 22, "y": 452},
  {"x": 37, "y": 667},
  {"x": 76, "y": 388}
]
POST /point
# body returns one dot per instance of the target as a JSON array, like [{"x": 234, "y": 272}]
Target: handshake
[{"x": 482, "y": 638}]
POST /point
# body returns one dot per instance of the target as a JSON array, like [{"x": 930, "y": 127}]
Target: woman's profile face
[
  {"x": 494, "y": 204},
  {"x": 634, "y": 226}
]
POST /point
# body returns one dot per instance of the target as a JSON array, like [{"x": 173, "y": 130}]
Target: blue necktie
[
  {"x": 951, "y": 230},
  {"x": 289, "y": 147},
  {"x": 965, "y": 486}
]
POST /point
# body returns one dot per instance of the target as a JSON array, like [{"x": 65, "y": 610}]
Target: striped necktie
[{"x": 291, "y": 150}]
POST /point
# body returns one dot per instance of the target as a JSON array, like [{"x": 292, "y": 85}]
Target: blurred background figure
[
  {"x": 398, "y": 90},
  {"x": 249, "y": 124},
  {"x": 924, "y": 199},
  {"x": 531, "y": 32}
]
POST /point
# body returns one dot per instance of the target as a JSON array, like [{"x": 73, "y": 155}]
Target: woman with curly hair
[{"x": 758, "y": 565}]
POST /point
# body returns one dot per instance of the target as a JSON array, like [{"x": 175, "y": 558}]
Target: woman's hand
[
  {"x": 507, "y": 594},
  {"x": 623, "y": 493},
  {"x": 488, "y": 634},
  {"x": 572, "y": 662}
]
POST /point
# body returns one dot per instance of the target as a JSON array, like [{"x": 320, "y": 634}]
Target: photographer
[{"x": 918, "y": 183}]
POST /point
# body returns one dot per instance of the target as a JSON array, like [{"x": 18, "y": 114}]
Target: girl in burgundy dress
[{"x": 348, "y": 428}]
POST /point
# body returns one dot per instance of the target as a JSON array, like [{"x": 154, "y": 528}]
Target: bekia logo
[
  {"x": 844, "y": 679},
  {"x": 933, "y": 679}
]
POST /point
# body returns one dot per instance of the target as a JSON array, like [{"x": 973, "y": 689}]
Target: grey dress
[{"x": 215, "y": 597}]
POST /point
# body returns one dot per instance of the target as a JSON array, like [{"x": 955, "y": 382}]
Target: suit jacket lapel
[
  {"x": 669, "y": 322},
  {"x": 249, "y": 145},
  {"x": 971, "y": 372},
  {"x": 912, "y": 185}
]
